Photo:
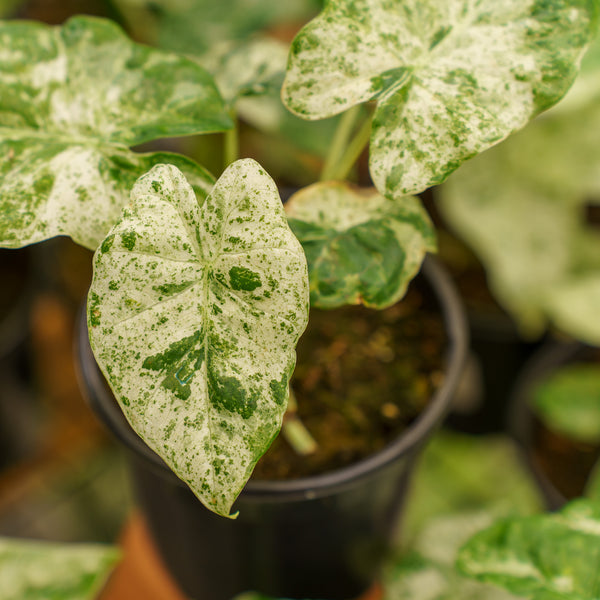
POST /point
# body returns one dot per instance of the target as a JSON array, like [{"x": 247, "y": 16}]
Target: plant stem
[
  {"x": 353, "y": 151},
  {"x": 294, "y": 430},
  {"x": 231, "y": 149},
  {"x": 340, "y": 141}
]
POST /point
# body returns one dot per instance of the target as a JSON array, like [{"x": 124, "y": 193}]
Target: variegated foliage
[
  {"x": 549, "y": 557},
  {"x": 31, "y": 570},
  {"x": 450, "y": 77},
  {"x": 521, "y": 207},
  {"x": 72, "y": 99},
  {"x": 360, "y": 246},
  {"x": 194, "y": 313},
  {"x": 244, "y": 70}
]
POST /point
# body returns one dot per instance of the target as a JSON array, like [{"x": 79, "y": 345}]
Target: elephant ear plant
[{"x": 201, "y": 289}]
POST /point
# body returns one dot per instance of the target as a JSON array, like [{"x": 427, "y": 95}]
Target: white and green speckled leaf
[
  {"x": 545, "y": 175},
  {"x": 77, "y": 190},
  {"x": 32, "y": 570},
  {"x": 569, "y": 402},
  {"x": 195, "y": 27},
  {"x": 550, "y": 556},
  {"x": 450, "y": 78},
  {"x": 361, "y": 247},
  {"x": 194, "y": 313},
  {"x": 72, "y": 98},
  {"x": 251, "y": 68}
]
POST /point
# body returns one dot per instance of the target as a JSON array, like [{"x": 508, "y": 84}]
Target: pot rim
[
  {"x": 550, "y": 356},
  {"x": 97, "y": 393}
]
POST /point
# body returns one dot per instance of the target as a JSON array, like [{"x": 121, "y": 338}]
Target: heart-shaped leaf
[
  {"x": 550, "y": 556},
  {"x": 48, "y": 571},
  {"x": 194, "y": 313},
  {"x": 71, "y": 99},
  {"x": 450, "y": 78},
  {"x": 76, "y": 190},
  {"x": 361, "y": 247},
  {"x": 544, "y": 175}
]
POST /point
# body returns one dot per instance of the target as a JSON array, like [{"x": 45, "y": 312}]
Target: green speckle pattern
[
  {"x": 193, "y": 336},
  {"x": 450, "y": 78},
  {"x": 361, "y": 247},
  {"x": 520, "y": 206},
  {"x": 33, "y": 570},
  {"x": 72, "y": 98},
  {"x": 241, "y": 278},
  {"x": 552, "y": 556}
]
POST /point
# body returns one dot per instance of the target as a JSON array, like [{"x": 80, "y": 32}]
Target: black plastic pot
[
  {"x": 317, "y": 537},
  {"x": 530, "y": 433}
]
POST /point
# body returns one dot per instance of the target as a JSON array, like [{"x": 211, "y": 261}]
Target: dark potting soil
[{"x": 362, "y": 377}]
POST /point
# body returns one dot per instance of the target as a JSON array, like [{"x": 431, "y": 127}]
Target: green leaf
[
  {"x": 196, "y": 26},
  {"x": 194, "y": 313},
  {"x": 545, "y": 175},
  {"x": 361, "y": 247},
  {"x": 76, "y": 190},
  {"x": 458, "y": 473},
  {"x": 450, "y": 78},
  {"x": 248, "y": 69},
  {"x": 549, "y": 556},
  {"x": 71, "y": 99},
  {"x": 34, "y": 570},
  {"x": 417, "y": 578},
  {"x": 568, "y": 401}
]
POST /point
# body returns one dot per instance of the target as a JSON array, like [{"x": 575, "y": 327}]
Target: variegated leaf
[
  {"x": 194, "y": 27},
  {"x": 194, "y": 313},
  {"x": 569, "y": 402},
  {"x": 545, "y": 175},
  {"x": 546, "y": 556},
  {"x": 361, "y": 247},
  {"x": 77, "y": 190},
  {"x": 248, "y": 69},
  {"x": 71, "y": 99},
  {"x": 450, "y": 78},
  {"x": 34, "y": 570}
]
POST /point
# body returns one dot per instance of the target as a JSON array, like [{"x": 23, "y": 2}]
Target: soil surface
[{"x": 362, "y": 377}]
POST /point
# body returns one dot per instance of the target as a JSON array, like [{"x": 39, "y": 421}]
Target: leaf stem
[
  {"x": 353, "y": 151},
  {"x": 294, "y": 430},
  {"x": 340, "y": 141},
  {"x": 231, "y": 147}
]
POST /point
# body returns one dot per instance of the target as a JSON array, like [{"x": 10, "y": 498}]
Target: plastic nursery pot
[
  {"x": 560, "y": 466},
  {"x": 322, "y": 536}
]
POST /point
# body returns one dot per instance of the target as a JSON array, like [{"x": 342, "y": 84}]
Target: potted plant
[
  {"x": 201, "y": 286},
  {"x": 554, "y": 415}
]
